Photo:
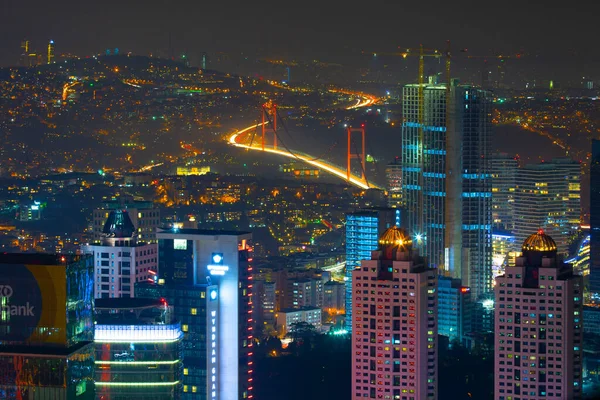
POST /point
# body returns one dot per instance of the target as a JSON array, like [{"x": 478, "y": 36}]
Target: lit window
[
  {"x": 194, "y": 311},
  {"x": 184, "y": 328},
  {"x": 194, "y": 389},
  {"x": 185, "y": 388},
  {"x": 185, "y": 371}
]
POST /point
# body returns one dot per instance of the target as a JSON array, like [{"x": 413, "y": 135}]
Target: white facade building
[
  {"x": 121, "y": 261},
  {"x": 287, "y": 317}
]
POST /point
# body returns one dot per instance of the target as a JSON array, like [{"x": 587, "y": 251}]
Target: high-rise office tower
[
  {"x": 424, "y": 168},
  {"x": 121, "y": 260},
  {"x": 472, "y": 128},
  {"x": 595, "y": 218},
  {"x": 196, "y": 308},
  {"x": 50, "y": 54},
  {"x": 580, "y": 259},
  {"x": 446, "y": 179},
  {"x": 363, "y": 228},
  {"x": 46, "y": 327},
  {"x": 24, "y": 53},
  {"x": 138, "y": 349},
  {"x": 504, "y": 251},
  {"x": 192, "y": 260},
  {"x": 393, "y": 174},
  {"x": 539, "y": 326},
  {"x": 503, "y": 169},
  {"x": 547, "y": 196},
  {"x": 454, "y": 309},
  {"x": 394, "y": 335}
]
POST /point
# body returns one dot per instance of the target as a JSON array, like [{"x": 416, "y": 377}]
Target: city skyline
[
  {"x": 534, "y": 29},
  {"x": 278, "y": 201}
]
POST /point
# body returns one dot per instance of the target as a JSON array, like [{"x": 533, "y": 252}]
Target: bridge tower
[
  {"x": 352, "y": 155},
  {"x": 271, "y": 109}
]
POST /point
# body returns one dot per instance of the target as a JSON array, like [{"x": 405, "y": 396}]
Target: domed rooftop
[
  {"x": 119, "y": 225},
  {"x": 395, "y": 237},
  {"x": 539, "y": 242}
]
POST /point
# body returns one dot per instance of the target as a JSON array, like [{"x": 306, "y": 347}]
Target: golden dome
[
  {"x": 395, "y": 236},
  {"x": 539, "y": 242}
]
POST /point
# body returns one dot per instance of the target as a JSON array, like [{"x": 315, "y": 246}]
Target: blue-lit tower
[
  {"x": 446, "y": 179},
  {"x": 595, "y": 218},
  {"x": 363, "y": 229},
  {"x": 472, "y": 107},
  {"x": 207, "y": 276},
  {"x": 424, "y": 167}
]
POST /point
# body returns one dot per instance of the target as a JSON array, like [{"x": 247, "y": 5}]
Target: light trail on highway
[
  {"x": 149, "y": 167},
  {"x": 364, "y": 102}
]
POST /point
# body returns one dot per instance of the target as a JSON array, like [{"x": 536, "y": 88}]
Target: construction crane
[{"x": 422, "y": 52}]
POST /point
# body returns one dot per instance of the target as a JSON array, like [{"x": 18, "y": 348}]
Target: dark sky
[{"x": 330, "y": 30}]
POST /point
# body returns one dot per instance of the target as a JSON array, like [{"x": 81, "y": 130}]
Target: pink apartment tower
[
  {"x": 539, "y": 326},
  {"x": 394, "y": 335}
]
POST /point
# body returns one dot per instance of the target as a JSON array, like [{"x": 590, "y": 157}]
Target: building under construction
[{"x": 446, "y": 180}]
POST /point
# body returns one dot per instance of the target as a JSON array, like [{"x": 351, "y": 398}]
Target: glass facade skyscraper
[
  {"x": 473, "y": 122},
  {"x": 46, "y": 326},
  {"x": 190, "y": 261},
  {"x": 547, "y": 196},
  {"x": 454, "y": 309},
  {"x": 192, "y": 309},
  {"x": 595, "y": 218},
  {"x": 393, "y": 175},
  {"x": 138, "y": 350},
  {"x": 446, "y": 180},
  {"x": 503, "y": 169},
  {"x": 363, "y": 229},
  {"x": 424, "y": 168}
]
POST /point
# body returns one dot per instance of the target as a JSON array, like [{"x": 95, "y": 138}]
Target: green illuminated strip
[
  {"x": 137, "y": 383},
  {"x": 136, "y": 341},
  {"x": 138, "y": 362}
]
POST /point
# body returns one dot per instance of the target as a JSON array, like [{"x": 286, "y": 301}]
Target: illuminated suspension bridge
[{"x": 244, "y": 138}]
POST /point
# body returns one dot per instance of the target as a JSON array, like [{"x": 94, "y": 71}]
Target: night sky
[{"x": 563, "y": 35}]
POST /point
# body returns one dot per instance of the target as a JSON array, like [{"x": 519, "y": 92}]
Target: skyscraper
[
  {"x": 472, "y": 124},
  {"x": 46, "y": 327},
  {"x": 393, "y": 174},
  {"x": 394, "y": 335},
  {"x": 50, "y": 54},
  {"x": 547, "y": 196},
  {"x": 120, "y": 260},
  {"x": 363, "y": 228},
  {"x": 539, "y": 326},
  {"x": 196, "y": 308},
  {"x": 454, "y": 309},
  {"x": 446, "y": 186},
  {"x": 192, "y": 260},
  {"x": 595, "y": 218},
  {"x": 503, "y": 169},
  {"x": 424, "y": 168},
  {"x": 138, "y": 349}
]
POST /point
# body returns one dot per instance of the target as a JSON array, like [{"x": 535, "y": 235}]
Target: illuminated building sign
[
  {"x": 217, "y": 267},
  {"x": 33, "y": 303},
  {"x": 137, "y": 333},
  {"x": 180, "y": 244},
  {"x": 213, "y": 359}
]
